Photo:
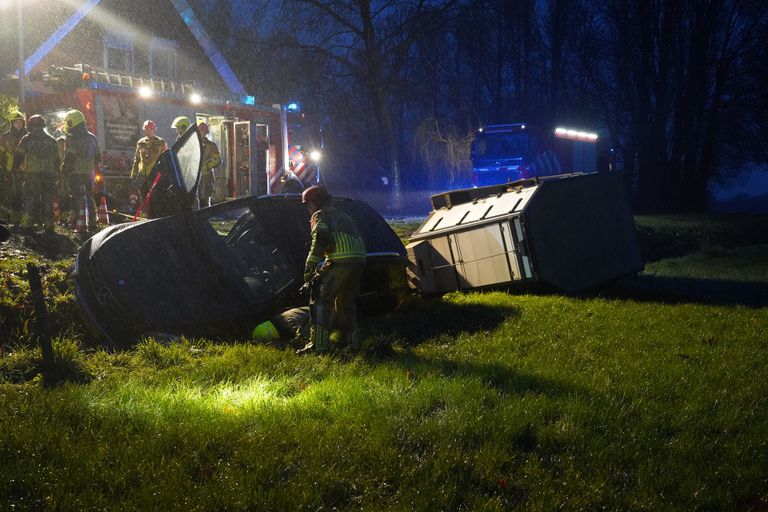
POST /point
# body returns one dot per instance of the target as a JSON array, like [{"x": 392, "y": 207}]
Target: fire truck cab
[{"x": 510, "y": 152}]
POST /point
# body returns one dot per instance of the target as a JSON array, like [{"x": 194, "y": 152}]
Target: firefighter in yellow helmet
[
  {"x": 36, "y": 161},
  {"x": 211, "y": 160},
  {"x": 148, "y": 150},
  {"x": 291, "y": 326},
  {"x": 81, "y": 156},
  {"x": 10, "y": 192},
  {"x": 180, "y": 124},
  {"x": 334, "y": 287}
]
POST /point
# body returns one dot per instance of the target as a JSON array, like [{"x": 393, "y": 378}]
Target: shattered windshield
[{"x": 188, "y": 152}]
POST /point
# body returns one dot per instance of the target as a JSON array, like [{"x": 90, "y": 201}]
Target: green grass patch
[
  {"x": 17, "y": 314},
  {"x": 546, "y": 402},
  {"x": 746, "y": 264},
  {"x": 479, "y": 401}
]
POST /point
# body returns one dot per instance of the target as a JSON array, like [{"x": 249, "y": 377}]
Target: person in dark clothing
[
  {"x": 10, "y": 187},
  {"x": 335, "y": 286},
  {"x": 290, "y": 326},
  {"x": 36, "y": 162},
  {"x": 81, "y": 156}
]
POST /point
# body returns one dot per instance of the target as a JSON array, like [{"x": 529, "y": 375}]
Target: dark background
[{"x": 675, "y": 88}]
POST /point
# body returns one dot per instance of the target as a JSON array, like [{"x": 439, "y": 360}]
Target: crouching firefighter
[{"x": 334, "y": 287}]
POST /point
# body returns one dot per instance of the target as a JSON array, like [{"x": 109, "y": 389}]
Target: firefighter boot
[{"x": 319, "y": 341}]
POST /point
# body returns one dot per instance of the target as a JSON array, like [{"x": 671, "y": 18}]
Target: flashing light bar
[
  {"x": 292, "y": 107},
  {"x": 501, "y": 128},
  {"x": 567, "y": 133},
  {"x": 145, "y": 92},
  {"x": 248, "y": 99},
  {"x": 195, "y": 98}
]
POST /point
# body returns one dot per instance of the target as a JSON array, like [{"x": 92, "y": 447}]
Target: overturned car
[{"x": 218, "y": 271}]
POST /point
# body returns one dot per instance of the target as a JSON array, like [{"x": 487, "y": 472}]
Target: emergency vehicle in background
[
  {"x": 511, "y": 152},
  {"x": 261, "y": 146}
]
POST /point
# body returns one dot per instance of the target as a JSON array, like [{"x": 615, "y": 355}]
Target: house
[{"x": 161, "y": 40}]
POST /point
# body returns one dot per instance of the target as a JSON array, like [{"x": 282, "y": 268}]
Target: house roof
[{"x": 49, "y": 30}]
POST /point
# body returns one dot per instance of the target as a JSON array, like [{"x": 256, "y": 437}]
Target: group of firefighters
[
  {"x": 39, "y": 173},
  {"x": 37, "y": 169}
]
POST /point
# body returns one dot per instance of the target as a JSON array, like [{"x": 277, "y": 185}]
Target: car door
[{"x": 176, "y": 176}]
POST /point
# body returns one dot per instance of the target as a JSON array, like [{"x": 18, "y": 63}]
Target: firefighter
[
  {"x": 180, "y": 124},
  {"x": 211, "y": 160},
  {"x": 80, "y": 158},
  {"x": 289, "y": 326},
  {"x": 36, "y": 161},
  {"x": 148, "y": 150},
  {"x": 336, "y": 284},
  {"x": 11, "y": 188}
]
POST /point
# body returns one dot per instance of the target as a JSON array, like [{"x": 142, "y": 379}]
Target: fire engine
[
  {"x": 261, "y": 146},
  {"x": 510, "y": 152}
]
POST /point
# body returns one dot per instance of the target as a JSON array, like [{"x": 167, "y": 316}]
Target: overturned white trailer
[{"x": 572, "y": 232}]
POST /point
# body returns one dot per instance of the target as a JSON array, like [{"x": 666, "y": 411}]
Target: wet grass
[
  {"x": 480, "y": 401},
  {"x": 547, "y": 402},
  {"x": 743, "y": 264}
]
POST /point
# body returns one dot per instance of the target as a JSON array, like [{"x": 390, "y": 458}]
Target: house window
[
  {"x": 118, "y": 53},
  {"x": 162, "y": 58}
]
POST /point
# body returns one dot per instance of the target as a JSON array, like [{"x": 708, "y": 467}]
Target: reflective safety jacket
[
  {"x": 148, "y": 150},
  {"x": 9, "y": 140},
  {"x": 211, "y": 156},
  {"x": 335, "y": 237},
  {"x": 37, "y": 152},
  {"x": 82, "y": 152}
]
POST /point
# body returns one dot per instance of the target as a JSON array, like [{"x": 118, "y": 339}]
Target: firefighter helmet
[
  {"x": 36, "y": 121},
  {"x": 149, "y": 124},
  {"x": 203, "y": 128},
  {"x": 265, "y": 331},
  {"x": 181, "y": 123},
  {"x": 72, "y": 119},
  {"x": 16, "y": 114},
  {"x": 317, "y": 195}
]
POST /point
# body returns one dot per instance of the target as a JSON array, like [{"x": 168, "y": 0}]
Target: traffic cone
[
  {"x": 103, "y": 214},
  {"x": 56, "y": 210},
  {"x": 82, "y": 223}
]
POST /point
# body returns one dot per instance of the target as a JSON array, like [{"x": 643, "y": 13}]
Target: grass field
[{"x": 482, "y": 401}]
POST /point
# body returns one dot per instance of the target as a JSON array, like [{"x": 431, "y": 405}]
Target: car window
[{"x": 223, "y": 222}]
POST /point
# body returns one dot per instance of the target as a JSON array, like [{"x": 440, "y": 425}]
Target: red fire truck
[
  {"x": 261, "y": 146},
  {"x": 510, "y": 152}
]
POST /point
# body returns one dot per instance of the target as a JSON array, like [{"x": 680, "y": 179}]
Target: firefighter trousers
[
  {"x": 332, "y": 303},
  {"x": 38, "y": 190}
]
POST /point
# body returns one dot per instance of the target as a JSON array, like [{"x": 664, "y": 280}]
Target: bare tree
[{"x": 368, "y": 46}]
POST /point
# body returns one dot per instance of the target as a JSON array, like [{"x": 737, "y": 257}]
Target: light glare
[{"x": 567, "y": 133}]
